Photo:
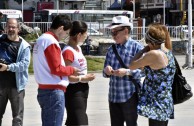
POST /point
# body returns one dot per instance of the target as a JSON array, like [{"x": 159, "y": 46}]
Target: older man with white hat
[{"x": 123, "y": 82}]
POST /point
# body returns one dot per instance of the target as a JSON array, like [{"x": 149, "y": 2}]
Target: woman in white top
[{"x": 78, "y": 89}]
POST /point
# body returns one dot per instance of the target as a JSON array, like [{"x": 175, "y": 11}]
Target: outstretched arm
[
  {"x": 141, "y": 53},
  {"x": 146, "y": 60}
]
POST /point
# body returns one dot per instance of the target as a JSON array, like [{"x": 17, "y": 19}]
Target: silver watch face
[
  {"x": 7, "y": 68},
  {"x": 128, "y": 72}
]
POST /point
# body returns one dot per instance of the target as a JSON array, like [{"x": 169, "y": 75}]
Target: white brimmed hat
[{"x": 119, "y": 21}]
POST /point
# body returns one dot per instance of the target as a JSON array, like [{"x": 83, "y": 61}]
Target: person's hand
[
  {"x": 3, "y": 67},
  {"x": 120, "y": 72},
  {"x": 108, "y": 70},
  {"x": 88, "y": 77},
  {"x": 146, "y": 49},
  {"x": 76, "y": 71}
]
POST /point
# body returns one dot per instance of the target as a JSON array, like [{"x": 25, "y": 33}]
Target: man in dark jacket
[{"x": 1, "y": 27}]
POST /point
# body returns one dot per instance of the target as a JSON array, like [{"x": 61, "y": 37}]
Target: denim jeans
[
  {"x": 52, "y": 103},
  {"x": 17, "y": 104}
]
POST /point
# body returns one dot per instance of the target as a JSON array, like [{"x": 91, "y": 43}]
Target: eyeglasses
[
  {"x": 11, "y": 27},
  {"x": 116, "y": 32}
]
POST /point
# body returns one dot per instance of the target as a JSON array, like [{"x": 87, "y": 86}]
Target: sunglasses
[{"x": 116, "y": 32}]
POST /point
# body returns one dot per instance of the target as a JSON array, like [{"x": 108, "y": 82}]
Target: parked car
[{"x": 92, "y": 31}]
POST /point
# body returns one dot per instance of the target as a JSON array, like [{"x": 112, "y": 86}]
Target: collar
[
  {"x": 125, "y": 44},
  {"x": 51, "y": 33}
]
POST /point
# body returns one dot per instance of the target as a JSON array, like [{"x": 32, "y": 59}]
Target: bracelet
[{"x": 80, "y": 78}]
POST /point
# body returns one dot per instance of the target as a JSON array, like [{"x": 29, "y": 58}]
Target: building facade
[{"x": 175, "y": 11}]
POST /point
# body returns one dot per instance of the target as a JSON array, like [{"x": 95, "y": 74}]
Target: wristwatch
[
  {"x": 128, "y": 72},
  {"x": 8, "y": 68}
]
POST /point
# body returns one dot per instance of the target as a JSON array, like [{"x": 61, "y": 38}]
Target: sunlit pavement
[{"x": 98, "y": 111}]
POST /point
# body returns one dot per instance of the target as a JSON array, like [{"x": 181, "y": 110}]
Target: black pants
[
  {"x": 76, "y": 104},
  {"x": 124, "y": 112},
  {"x": 157, "y": 123},
  {"x": 17, "y": 104}
]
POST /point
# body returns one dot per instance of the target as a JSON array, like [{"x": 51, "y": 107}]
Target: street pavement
[{"x": 98, "y": 110}]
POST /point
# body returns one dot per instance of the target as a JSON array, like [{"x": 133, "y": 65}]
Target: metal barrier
[{"x": 138, "y": 33}]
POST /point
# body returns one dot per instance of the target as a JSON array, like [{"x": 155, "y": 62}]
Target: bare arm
[
  {"x": 140, "y": 53},
  {"x": 84, "y": 78},
  {"x": 146, "y": 60}
]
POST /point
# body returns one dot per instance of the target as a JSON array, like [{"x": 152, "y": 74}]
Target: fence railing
[{"x": 138, "y": 33}]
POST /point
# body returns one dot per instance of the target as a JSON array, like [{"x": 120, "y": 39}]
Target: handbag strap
[
  {"x": 137, "y": 86},
  {"x": 118, "y": 57},
  {"x": 178, "y": 70}
]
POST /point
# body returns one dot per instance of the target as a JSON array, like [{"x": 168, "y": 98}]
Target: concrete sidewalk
[{"x": 98, "y": 111}]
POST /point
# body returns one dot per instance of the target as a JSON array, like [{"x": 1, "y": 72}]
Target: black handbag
[
  {"x": 181, "y": 90},
  {"x": 137, "y": 86}
]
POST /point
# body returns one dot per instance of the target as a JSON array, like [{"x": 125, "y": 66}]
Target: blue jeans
[{"x": 52, "y": 103}]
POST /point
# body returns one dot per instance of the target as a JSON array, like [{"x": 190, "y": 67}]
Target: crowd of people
[{"x": 63, "y": 79}]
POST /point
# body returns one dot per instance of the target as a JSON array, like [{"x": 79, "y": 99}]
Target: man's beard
[{"x": 12, "y": 36}]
